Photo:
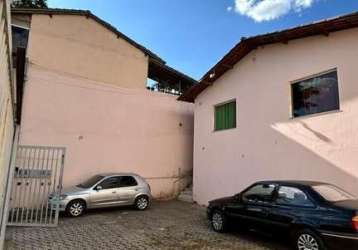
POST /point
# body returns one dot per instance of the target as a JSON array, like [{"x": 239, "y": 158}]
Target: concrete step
[
  {"x": 186, "y": 195},
  {"x": 186, "y": 198},
  {"x": 187, "y": 191}
]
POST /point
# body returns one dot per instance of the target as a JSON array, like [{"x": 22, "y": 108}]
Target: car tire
[
  {"x": 219, "y": 221},
  {"x": 76, "y": 208},
  {"x": 141, "y": 202},
  {"x": 308, "y": 239}
]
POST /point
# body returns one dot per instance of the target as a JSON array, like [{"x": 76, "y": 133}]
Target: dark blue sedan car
[{"x": 316, "y": 215}]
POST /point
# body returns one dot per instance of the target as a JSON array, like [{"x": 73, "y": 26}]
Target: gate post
[{"x": 59, "y": 191}]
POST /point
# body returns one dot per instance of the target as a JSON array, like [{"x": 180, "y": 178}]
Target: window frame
[
  {"x": 336, "y": 189},
  {"x": 24, "y": 28},
  {"x": 292, "y": 205},
  {"x": 19, "y": 26},
  {"x": 106, "y": 179},
  {"x": 271, "y": 201},
  {"x": 94, "y": 183},
  {"x": 292, "y": 116},
  {"x": 128, "y": 176},
  {"x": 221, "y": 104}
]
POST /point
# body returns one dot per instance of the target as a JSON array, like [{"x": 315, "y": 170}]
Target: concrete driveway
[{"x": 166, "y": 225}]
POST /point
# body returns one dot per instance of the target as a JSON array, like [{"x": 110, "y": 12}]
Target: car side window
[
  {"x": 260, "y": 193},
  {"x": 111, "y": 182},
  {"x": 292, "y": 196},
  {"x": 128, "y": 181}
]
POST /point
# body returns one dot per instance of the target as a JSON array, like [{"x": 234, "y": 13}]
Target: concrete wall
[
  {"x": 109, "y": 129},
  {"x": 6, "y": 109},
  {"x": 81, "y": 46},
  {"x": 268, "y": 143}
]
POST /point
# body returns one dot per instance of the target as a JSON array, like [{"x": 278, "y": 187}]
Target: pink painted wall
[
  {"x": 83, "y": 47},
  {"x": 268, "y": 143},
  {"x": 87, "y": 92},
  {"x": 106, "y": 128}
]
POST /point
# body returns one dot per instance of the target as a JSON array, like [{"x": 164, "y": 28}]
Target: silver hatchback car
[{"x": 104, "y": 190}]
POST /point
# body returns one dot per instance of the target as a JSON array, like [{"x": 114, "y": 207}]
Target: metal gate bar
[{"x": 37, "y": 176}]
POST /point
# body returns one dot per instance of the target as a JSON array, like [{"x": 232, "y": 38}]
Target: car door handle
[{"x": 114, "y": 192}]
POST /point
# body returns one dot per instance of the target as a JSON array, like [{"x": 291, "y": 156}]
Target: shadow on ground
[{"x": 166, "y": 225}]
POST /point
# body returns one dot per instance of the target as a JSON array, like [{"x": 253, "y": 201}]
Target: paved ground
[{"x": 166, "y": 225}]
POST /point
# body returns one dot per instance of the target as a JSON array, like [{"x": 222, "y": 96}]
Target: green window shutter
[
  {"x": 217, "y": 118},
  {"x": 219, "y": 122},
  {"x": 231, "y": 116},
  {"x": 225, "y": 116}
]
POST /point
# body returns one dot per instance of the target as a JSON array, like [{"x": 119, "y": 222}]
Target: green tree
[{"x": 34, "y": 4}]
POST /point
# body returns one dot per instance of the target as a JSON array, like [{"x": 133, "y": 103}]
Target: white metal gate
[{"x": 37, "y": 176}]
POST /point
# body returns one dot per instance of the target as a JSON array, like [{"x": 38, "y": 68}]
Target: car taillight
[{"x": 355, "y": 223}]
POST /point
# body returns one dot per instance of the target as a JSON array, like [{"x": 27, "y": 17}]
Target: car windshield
[
  {"x": 90, "y": 182},
  {"x": 332, "y": 193}
]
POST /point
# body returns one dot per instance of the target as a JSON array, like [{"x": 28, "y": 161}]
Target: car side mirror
[{"x": 99, "y": 188}]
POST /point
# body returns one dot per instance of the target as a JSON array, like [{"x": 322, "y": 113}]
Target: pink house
[
  {"x": 86, "y": 90},
  {"x": 279, "y": 106}
]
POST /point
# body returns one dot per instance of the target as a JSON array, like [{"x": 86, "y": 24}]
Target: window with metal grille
[
  {"x": 225, "y": 116},
  {"x": 315, "y": 95}
]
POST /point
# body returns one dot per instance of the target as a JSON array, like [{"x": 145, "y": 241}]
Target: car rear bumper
[{"x": 340, "y": 240}]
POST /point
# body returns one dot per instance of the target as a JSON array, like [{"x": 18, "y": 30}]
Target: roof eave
[{"x": 246, "y": 45}]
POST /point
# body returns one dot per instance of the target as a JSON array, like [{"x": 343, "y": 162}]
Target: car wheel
[
  {"x": 76, "y": 208},
  {"x": 218, "y": 221},
  {"x": 308, "y": 240},
  {"x": 141, "y": 203}
]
